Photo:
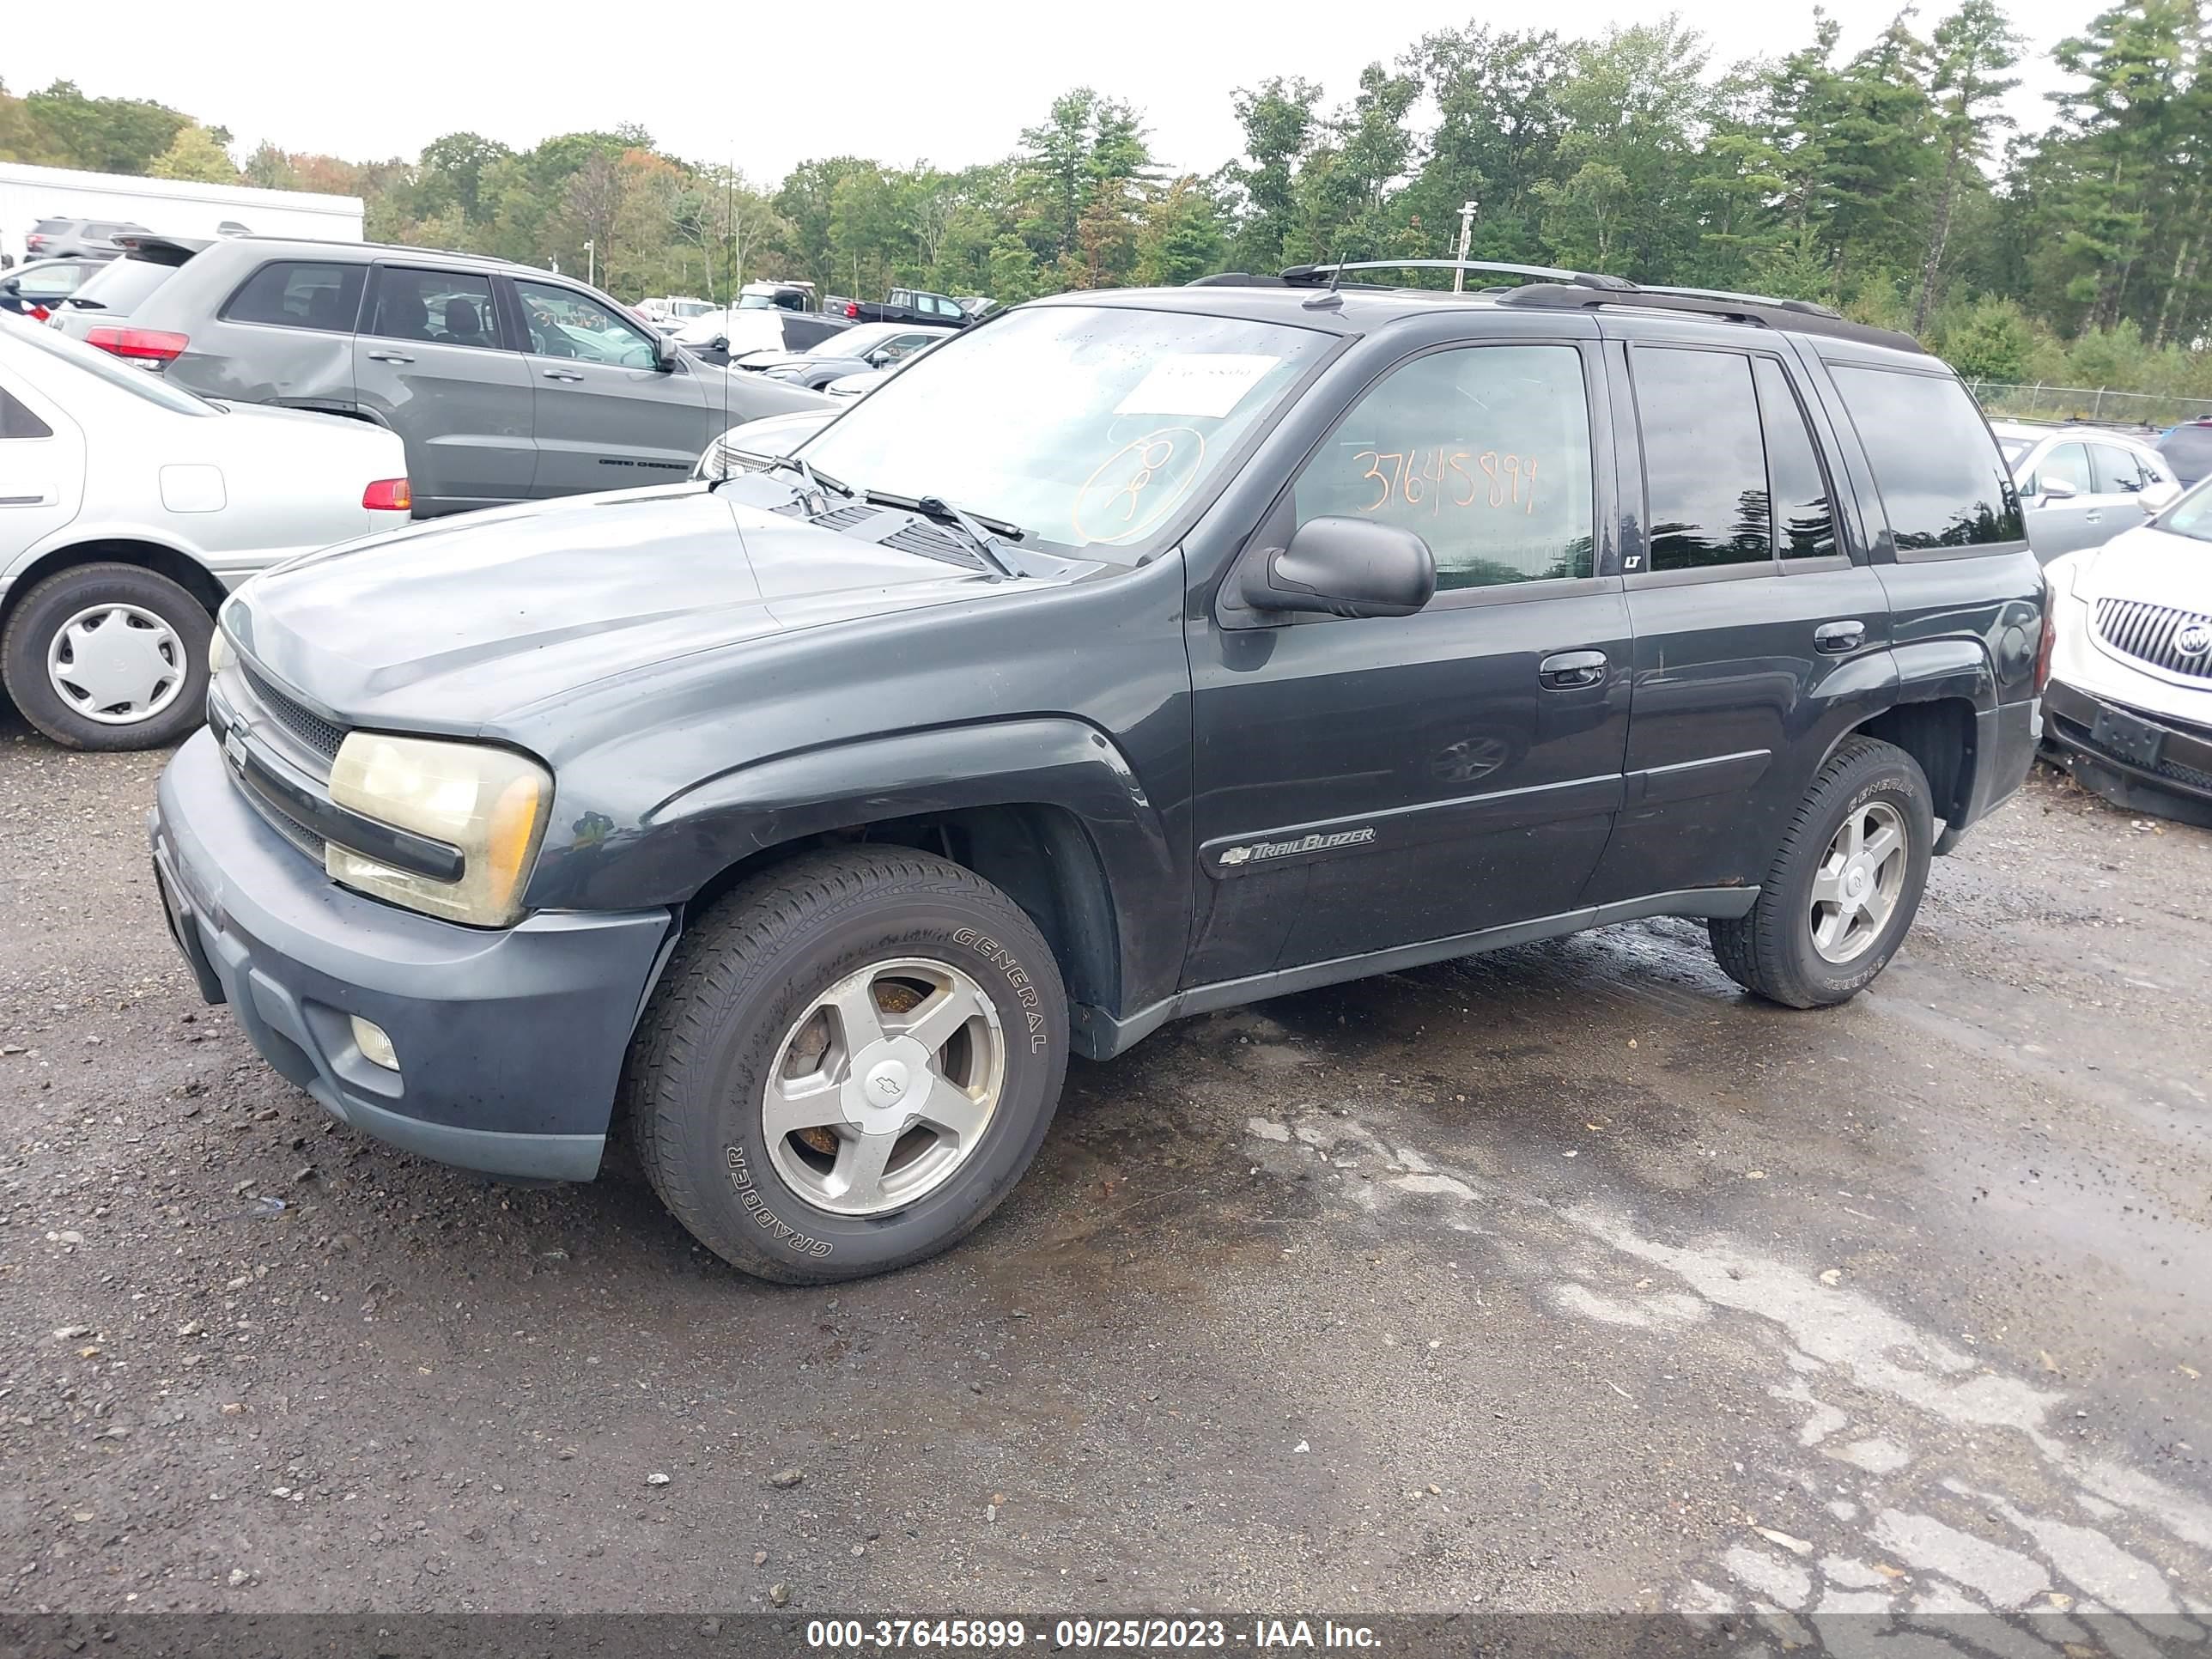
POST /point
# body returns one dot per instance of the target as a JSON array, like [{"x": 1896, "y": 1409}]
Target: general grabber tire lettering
[
  {"x": 848, "y": 1064},
  {"x": 1845, "y": 886}
]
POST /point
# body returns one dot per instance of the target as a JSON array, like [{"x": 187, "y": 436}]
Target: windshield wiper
[
  {"x": 817, "y": 483},
  {"x": 982, "y": 534}
]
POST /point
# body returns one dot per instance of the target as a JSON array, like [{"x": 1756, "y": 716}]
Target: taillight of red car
[
  {"x": 853, "y": 309},
  {"x": 143, "y": 345},
  {"x": 38, "y": 314},
  {"x": 389, "y": 495}
]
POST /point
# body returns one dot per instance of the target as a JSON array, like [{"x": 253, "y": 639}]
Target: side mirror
[
  {"x": 664, "y": 353},
  {"x": 2055, "y": 489},
  {"x": 1343, "y": 567}
]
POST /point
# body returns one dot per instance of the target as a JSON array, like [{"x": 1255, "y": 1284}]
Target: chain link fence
[{"x": 2075, "y": 402}]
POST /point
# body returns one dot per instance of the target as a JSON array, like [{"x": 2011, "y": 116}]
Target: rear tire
[
  {"x": 793, "y": 997},
  {"x": 153, "y": 654},
  {"x": 1829, "y": 918}
]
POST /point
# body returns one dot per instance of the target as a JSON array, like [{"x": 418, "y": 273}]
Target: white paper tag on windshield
[{"x": 1208, "y": 383}]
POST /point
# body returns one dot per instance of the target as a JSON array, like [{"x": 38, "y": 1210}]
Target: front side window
[
  {"x": 1090, "y": 426},
  {"x": 2067, "y": 464},
  {"x": 297, "y": 294},
  {"x": 1943, "y": 481},
  {"x": 1484, "y": 451},
  {"x": 1704, "y": 461},
  {"x": 563, "y": 323},
  {"x": 435, "y": 308}
]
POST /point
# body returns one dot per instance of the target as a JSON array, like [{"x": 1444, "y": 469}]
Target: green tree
[
  {"x": 194, "y": 154},
  {"x": 103, "y": 134},
  {"x": 1182, "y": 237},
  {"x": 1974, "y": 47},
  {"x": 1277, "y": 118}
]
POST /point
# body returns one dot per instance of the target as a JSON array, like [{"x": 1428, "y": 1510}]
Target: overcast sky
[{"x": 718, "y": 82}]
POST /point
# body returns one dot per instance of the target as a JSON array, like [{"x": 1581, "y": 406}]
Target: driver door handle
[
  {"x": 390, "y": 358},
  {"x": 1837, "y": 637},
  {"x": 561, "y": 374},
  {"x": 1565, "y": 671}
]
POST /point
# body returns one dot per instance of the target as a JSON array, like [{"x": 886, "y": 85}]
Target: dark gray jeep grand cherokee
[{"x": 1132, "y": 655}]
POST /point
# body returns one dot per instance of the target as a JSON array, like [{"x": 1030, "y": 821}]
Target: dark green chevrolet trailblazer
[{"x": 1132, "y": 655}]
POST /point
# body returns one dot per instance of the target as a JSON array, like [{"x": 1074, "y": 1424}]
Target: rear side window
[
  {"x": 1704, "y": 462},
  {"x": 2118, "y": 471},
  {"x": 1483, "y": 452},
  {"x": 17, "y": 421},
  {"x": 438, "y": 307},
  {"x": 300, "y": 293},
  {"x": 1942, "y": 482},
  {"x": 120, "y": 286}
]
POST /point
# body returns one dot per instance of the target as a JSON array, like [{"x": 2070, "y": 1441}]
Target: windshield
[
  {"x": 113, "y": 370},
  {"x": 2191, "y": 516},
  {"x": 2016, "y": 450},
  {"x": 1088, "y": 426},
  {"x": 120, "y": 284}
]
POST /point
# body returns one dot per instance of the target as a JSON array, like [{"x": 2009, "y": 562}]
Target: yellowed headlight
[
  {"x": 220, "y": 654},
  {"x": 490, "y": 803}
]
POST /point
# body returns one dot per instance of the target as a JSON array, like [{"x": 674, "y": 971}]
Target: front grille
[
  {"x": 284, "y": 823},
  {"x": 303, "y": 722},
  {"x": 2149, "y": 634}
]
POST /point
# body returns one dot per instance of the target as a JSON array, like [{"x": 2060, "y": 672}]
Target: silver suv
[{"x": 507, "y": 383}]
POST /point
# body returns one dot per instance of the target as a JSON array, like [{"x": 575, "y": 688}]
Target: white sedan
[
  {"x": 129, "y": 508},
  {"x": 2128, "y": 708}
]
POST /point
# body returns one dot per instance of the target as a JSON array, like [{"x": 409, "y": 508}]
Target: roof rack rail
[
  {"x": 1314, "y": 276},
  {"x": 1797, "y": 316},
  {"x": 1808, "y": 307}
]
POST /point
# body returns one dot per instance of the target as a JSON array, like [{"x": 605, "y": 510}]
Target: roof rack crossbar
[{"x": 1313, "y": 276}]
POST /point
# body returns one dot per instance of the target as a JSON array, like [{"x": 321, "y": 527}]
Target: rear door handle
[
  {"x": 390, "y": 358},
  {"x": 1838, "y": 637},
  {"x": 2097, "y": 517},
  {"x": 1563, "y": 671},
  {"x": 561, "y": 374}
]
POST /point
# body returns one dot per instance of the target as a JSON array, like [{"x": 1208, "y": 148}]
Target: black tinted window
[
  {"x": 295, "y": 293},
  {"x": 1804, "y": 523},
  {"x": 1484, "y": 452},
  {"x": 1943, "y": 481},
  {"x": 2188, "y": 450},
  {"x": 17, "y": 421},
  {"x": 1704, "y": 466}
]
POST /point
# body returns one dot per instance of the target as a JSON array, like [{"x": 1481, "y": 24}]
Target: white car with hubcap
[
  {"x": 2128, "y": 708},
  {"x": 130, "y": 508}
]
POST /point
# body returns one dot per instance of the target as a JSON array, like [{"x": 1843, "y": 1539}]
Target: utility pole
[
  {"x": 1466, "y": 230},
  {"x": 592, "y": 263}
]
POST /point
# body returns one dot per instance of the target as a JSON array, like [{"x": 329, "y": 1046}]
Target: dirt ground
[{"x": 1563, "y": 1278}]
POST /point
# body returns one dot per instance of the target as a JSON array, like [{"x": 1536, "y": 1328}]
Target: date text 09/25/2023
[{"x": 1122, "y": 1635}]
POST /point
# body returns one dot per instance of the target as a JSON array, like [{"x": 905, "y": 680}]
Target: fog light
[{"x": 375, "y": 1048}]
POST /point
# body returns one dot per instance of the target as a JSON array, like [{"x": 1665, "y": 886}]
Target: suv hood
[
  {"x": 454, "y": 623},
  {"x": 2149, "y": 563}
]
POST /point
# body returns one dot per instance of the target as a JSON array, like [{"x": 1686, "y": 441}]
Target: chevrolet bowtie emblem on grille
[{"x": 2195, "y": 640}]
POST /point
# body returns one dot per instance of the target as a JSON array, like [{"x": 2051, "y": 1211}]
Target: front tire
[
  {"x": 1845, "y": 886},
  {"x": 108, "y": 656},
  {"x": 848, "y": 1063}
]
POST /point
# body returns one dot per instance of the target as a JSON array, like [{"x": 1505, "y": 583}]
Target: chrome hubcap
[
  {"x": 117, "y": 664},
  {"x": 1856, "y": 890},
  {"x": 884, "y": 1087}
]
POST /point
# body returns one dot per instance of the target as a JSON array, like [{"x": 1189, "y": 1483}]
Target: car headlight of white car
[
  {"x": 219, "y": 651},
  {"x": 491, "y": 804}
]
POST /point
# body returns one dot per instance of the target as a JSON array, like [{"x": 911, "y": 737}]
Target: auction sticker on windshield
[{"x": 1202, "y": 383}]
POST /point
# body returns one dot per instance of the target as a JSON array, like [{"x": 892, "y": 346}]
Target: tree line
[{"x": 1889, "y": 181}]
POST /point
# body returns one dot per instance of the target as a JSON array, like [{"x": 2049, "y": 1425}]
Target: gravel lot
[{"x": 1562, "y": 1279}]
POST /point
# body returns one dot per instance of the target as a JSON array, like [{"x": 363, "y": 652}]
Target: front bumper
[
  {"x": 2173, "y": 779},
  {"x": 510, "y": 1043}
]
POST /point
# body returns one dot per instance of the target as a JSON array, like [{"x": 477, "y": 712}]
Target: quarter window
[
  {"x": 1704, "y": 462},
  {"x": 18, "y": 421},
  {"x": 1484, "y": 451},
  {"x": 295, "y": 293},
  {"x": 1804, "y": 522},
  {"x": 437, "y": 307},
  {"x": 1943, "y": 481},
  {"x": 563, "y": 323}
]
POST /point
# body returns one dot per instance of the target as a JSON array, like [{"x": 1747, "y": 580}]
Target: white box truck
[{"x": 171, "y": 207}]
